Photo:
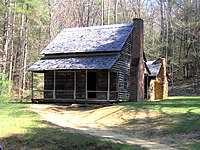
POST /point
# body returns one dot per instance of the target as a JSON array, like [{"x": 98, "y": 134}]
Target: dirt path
[{"x": 97, "y": 121}]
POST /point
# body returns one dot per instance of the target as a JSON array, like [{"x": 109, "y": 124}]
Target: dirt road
[{"x": 98, "y": 121}]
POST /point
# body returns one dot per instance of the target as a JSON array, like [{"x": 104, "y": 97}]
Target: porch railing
[{"x": 70, "y": 94}]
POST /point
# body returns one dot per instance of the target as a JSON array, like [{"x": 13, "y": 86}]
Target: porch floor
[{"x": 79, "y": 101}]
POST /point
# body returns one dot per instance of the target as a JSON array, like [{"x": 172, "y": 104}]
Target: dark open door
[
  {"x": 146, "y": 86},
  {"x": 91, "y": 84}
]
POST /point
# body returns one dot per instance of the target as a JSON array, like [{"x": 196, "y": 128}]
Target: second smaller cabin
[{"x": 158, "y": 80}]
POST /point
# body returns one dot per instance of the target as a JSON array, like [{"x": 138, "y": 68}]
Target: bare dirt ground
[{"x": 111, "y": 122}]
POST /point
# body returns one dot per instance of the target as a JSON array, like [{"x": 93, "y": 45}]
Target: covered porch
[
  {"x": 76, "y": 79},
  {"x": 77, "y": 86}
]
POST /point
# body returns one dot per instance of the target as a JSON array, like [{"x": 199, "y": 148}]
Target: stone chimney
[{"x": 137, "y": 62}]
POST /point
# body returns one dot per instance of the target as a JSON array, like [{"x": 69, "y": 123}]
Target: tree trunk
[
  {"x": 25, "y": 53},
  {"x": 102, "y": 12},
  {"x": 5, "y": 36},
  {"x": 20, "y": 50},
  {"x": 162, "y": 26},
  {"x": 115, "y": 11},
  {"x": 12, "y": 48},
  {"x": 108, "y": 15},
  {"x": 50, "y": 25}
]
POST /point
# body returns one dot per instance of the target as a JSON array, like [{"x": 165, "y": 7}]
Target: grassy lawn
[
  {"x": 177, "y": 120},
  {"x": 22, "y": 129}
]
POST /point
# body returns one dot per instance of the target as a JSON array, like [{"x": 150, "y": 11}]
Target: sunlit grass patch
[
  {"x": 176, "y": 117},
  {"x": 15, "y": 119},
  {"x": 23, "y": 129}
]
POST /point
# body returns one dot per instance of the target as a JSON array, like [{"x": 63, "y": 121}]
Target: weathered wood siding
[
  {"x": 113, "y": 85},
  {"x": 48, "y": 84},
  {"x": 80, "y": 85},
  {"x": 102, "y": 84},
  {"x": 159, "y": 86},
  {"x": 122, "y": 66},
  {"x": 161, "y": 83},
  {"x": 64, "y": 85},
  {"x": 152, "y": 90},
  {"x": 64, "y": 82},
  {"x": 65, "y": 89},
  {"x": 102, "y": 80}
]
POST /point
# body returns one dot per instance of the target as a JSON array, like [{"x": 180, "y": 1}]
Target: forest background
[{"x": 171, "y": 30}]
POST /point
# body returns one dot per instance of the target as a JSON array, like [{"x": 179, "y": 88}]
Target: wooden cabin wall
[
  {"x": 48, "y": 84},
  {"x": 64, "y": 88},
  {"x": 64, "y": 85},
  {"x": 151, "y": 90},
  {"x": 161, "y": 83},
  {"x": 102, "y": 80},
  {"x": 158, "y": 87},
  {"x": 113, "y": 85},
  {"x": 102, "y": 84},
  {"x": 122, "y": 66},
  {"x": 80, "y": 84}
]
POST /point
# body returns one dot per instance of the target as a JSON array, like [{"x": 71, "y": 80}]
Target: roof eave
[{"x": 89, "y": 52}]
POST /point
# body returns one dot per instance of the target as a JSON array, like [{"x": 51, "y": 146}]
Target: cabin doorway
[
  {"x": 91, "y": 84},
  {"x": 146, "y": 85}
]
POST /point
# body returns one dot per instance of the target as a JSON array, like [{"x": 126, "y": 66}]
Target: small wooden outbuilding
[
  {"x": 93, "y": 64},
  {"x": 158, "y": 80}
]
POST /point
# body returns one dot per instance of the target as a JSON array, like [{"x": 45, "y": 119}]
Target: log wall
[
  {"x": 102, "y": 80},
  {"x": 152, "y": 90},
  {"x": 65, "y": 88},
  {"x": 161, "y": 83},
  {"x": 80, "y": 84},
  {"x": 159, "y": 87},
  {"x": 48, "y": 84},
  {"x": 122, "y": 66}
]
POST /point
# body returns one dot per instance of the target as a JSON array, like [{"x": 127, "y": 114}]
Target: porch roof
[
  {"x": 153, "y": 67},
  {"x": 81, "y": 62}
]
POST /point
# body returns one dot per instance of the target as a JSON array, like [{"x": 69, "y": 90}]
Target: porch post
[
  {"x": 74, "y": 85},
  {"x": 54, "y": 84},
  {"x": 86, "y": 93},
  {"x": 32, "y": 94},
  {"x": 108, "y": 92}
]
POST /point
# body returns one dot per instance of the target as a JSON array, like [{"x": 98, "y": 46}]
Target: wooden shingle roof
[
  {"x": 106, "y": 38},
  {"x": 79, "y": 62},
  {"x": 153, "y": 67}
]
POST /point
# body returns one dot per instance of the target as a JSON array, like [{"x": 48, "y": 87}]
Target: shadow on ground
[{"x": 178, "y": 122}]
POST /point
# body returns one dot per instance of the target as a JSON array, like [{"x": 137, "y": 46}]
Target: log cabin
[
  {"x": 93, "y": 64},
  {"x": 158, "y": 79}
]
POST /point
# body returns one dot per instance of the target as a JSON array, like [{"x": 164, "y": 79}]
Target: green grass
[
  {"x": 177, "y": 116},
  {"x": 22, "y": 129}
]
